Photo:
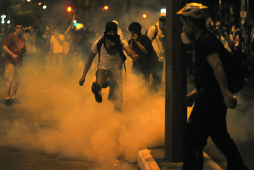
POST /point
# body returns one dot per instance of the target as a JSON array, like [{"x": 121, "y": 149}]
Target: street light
[
  {"x": 39, "y": 3},
  {"x": 44, "y": 6},
  {"x": 144, "y": 16},
  {"x": 28, "y": 0},
  {"x": 105, "y": 7},
  {"x": 69, "y": 9}
]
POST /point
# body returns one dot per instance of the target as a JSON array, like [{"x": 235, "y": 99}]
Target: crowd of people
[
  {"x": 57, "y": 48},
  {"x": 147, "y": 51}
]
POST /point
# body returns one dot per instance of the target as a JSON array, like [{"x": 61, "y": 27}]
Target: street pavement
[{"x": 14, "y": 158}]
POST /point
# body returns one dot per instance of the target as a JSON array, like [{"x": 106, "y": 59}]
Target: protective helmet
[{"x": 193, "y": 10}]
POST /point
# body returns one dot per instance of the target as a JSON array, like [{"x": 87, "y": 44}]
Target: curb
[{"x": 146, "y": 160}]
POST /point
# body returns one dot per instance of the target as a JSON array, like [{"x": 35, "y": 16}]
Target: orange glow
[
  {"x": 144, "y": 15},
  {"x": 105, "y": 8},
  {"x": 69, "y": 9}
]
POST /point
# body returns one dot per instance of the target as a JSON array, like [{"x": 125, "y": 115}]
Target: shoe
[
  {"x": 8, "y": 102},
  {"x": 97, "y": 92},
  {"x": 15, "y": 100}
]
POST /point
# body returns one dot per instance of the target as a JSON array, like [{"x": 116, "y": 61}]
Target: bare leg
[
  {"x": 8, "y": 89},
  {"x": 15, "y": 89}
]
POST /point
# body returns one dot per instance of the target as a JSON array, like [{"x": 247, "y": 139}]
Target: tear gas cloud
[{"x": 57, "y": 116}]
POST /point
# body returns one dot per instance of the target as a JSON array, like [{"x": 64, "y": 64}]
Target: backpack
[
  {"x": 155, "y": 32},
  {"x": 234, "y": 68}
]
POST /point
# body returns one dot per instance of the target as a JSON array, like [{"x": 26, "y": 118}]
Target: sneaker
[
  {"x": 15, "y": 100},
  {"x": 97, "y": 92},
  {"x": 8, "y": 102}
]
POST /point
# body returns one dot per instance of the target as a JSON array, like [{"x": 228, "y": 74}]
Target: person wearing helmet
[
  {"x": 156, "y": 34},
  {"x": 211, "y": 96}
]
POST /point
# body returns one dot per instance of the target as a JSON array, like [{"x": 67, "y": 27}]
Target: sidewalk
[{"x": 153, "y": 159}]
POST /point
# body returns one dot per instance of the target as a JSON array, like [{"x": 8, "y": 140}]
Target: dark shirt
[
  {"x": 144, "y": 62},
  {"x": 205, "y": 80}
]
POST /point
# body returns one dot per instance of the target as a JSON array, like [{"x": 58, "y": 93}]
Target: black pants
[
  {"x": 208, "y": 118},
  {"x": 157, "y": 72}
]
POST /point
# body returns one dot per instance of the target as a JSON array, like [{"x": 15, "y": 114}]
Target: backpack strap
[
  {"x": 99, "y": 44},
  {"x": 155, "y": 32}
]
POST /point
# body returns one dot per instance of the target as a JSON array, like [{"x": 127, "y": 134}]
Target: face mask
[
  {"x": 112, "y": 38},
  {"x": 186, "y": 38}
]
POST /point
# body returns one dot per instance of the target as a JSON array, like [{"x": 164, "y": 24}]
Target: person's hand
[
  {"x": 134, "y": 37},
  {"x": 190, "y": 98},
  {"x": 15, "y": 57},
  {"x": 81, "y": 81},
  {"x": 134, "y": 56},
  {"x": 230, "y": 100}
]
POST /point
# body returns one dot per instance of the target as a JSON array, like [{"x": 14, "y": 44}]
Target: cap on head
[
  {"x": 115, "y": 22},
  {"x": 111, "y": 26},
  {"x": 163, "y": 15},
  {"x": 193, "y": 10}
]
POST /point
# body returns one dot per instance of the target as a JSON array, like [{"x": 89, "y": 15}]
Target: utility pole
[
  {"x": 248, "y": 11},
  {"x": 176, "y": 84},
  {"x": 220, "y": 11},
  {"x": 243, "y": 12}
]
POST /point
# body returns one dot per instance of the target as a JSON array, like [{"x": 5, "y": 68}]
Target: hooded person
[
  {"x": 156, "y": 34},
  {"x": 109, "y": 70}
]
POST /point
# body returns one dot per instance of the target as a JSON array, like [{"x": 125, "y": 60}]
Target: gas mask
[{"x": 187, "y": 35}]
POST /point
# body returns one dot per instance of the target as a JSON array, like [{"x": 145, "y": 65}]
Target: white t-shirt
[
  {"x": 158, "y": 41},
  {"x": 57, "y": 48},
  {"x": 107, "y": 61}
]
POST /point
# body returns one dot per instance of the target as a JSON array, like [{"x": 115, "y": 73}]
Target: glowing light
[
  {"x": 101, "y": 158},
  {"x": 2, "y": 21},
  {"x": 144, "y": 16},
  {"x": 114, "y": 164},
  {"x": 28, "y": 0},
  {"x": 75, "y": 21},
  {"x": 8, "y": 22},
  {"x": 69, "y": 9},
  {"x": 44, "y": 7},
  {"x": 39, "y": 3},
  {"x": 105, "y": 7},
  {"x": 163, "y": 10}
]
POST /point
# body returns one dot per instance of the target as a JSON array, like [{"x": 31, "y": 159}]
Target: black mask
[
  {"x": 162, "y": 19},
  {"x": 112, "y": 38}
]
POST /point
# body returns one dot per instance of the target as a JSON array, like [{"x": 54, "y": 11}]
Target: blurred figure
[
  {"x": 225, "y": 38},
  {"x": 156, "y": 34},
  {"x": 14, "y": 47},
  {"x": 56, "y": 49},
  {"x": 30, "y": 46},
  {"x": 109, "y": 71},
  {"x": 142, "y": 46}
]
